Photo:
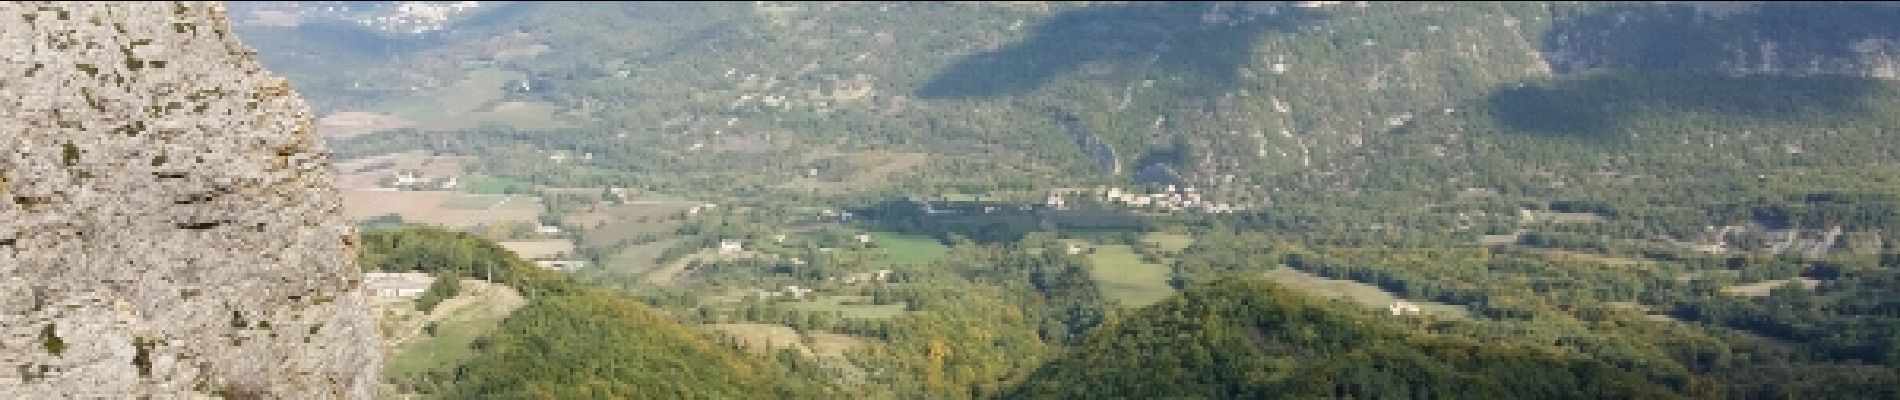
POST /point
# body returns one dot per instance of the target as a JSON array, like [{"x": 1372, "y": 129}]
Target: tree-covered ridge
[
  {"x": 572, "y": 341},
  {"x": 1248, "y": 338}
]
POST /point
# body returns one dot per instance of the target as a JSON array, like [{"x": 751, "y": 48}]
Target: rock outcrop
[{"x": 167, "y": 224}]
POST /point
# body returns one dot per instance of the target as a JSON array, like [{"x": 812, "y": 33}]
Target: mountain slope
[
  {"x": 1249, "y": 338},
  {"x": 1246, "y": 100},
  {"x": 572, "y": 341}
]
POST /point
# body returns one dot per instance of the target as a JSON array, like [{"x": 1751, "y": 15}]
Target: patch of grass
[
  {"x": 762, "y": 338},
  {"x": 474, "y": 100},
  {"x": 1126, "y": 279},
  {"x": 1767, "y": 287},
  {"x": 50, "y": 341},
  {"x": 765, "y": 339},
  {"x": 448, "y": 346},
  {"x": 909, "y": 249},
  {"x": 1168, "y": 242},
  {"x": 638, "y": 259},
  {"x": 483, "y": 184},
  {"x": 471, "y": 202},
  {"x": 606, "y": 225},
  {"x": 1364, "y": 294},
  {"x": 857, "y": 307},
  {"x": 521, "y": 115}
]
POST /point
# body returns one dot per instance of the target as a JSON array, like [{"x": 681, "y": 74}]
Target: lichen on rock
[{"x": 160, "y": 188}]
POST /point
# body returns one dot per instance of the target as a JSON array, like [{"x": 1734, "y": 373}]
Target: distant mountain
[
  {"x": 1252, "y": 339},
  {"x": 1265, "y": 97}
]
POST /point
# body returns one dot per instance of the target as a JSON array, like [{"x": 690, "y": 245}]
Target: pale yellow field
[{"x": 440, "y": 207}]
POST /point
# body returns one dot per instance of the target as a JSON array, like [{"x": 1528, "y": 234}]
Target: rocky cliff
[{"x": 168, "y": 228}]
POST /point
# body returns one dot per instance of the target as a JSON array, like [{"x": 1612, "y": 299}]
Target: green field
[
  {"x": 1168, "y": 242},
  {"x": 908, "y": 249},
  {"x": 605, "y": 225},
  {"x": 852, "y": 307},
  {"x": 483, "y": 184},
  {"x": 1364, "y": 294},
  {"x": 472, "y": 101},
  {"x": 1127, "y": 280},
  {"x": 637, "y": 260},
  {"x": 479, "y": 312}
]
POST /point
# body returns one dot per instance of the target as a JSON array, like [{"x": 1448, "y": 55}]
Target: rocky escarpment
[{"x": 167, "y": 224}]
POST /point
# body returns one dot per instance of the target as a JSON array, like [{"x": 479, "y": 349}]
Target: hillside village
[{"x": 1168, "y": 198}]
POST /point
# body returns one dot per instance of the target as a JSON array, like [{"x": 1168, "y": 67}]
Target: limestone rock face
[{"x": 167, "y": 223}]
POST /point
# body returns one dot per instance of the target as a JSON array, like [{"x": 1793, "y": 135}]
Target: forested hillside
[
  {"x": 572, "y": 341},
  {"x": 1246, "y": 338}
]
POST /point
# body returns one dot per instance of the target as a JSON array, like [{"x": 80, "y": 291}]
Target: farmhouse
[
  {"x": 1403, "y": 307},
  {"x": 560, "y": 265},
  {"x": 797, "y": 293}
]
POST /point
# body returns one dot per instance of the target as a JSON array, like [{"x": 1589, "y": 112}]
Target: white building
[
  {"x": 1403, "y": 307},
  {"x": 797, "y": 293},
  {"x": 729, "y": 246},
  {"x": 408, "y": 179},
  {"x": 547, "y": 229},
  {"x": 396, "y": 285},
  {"x": 559, "y": 265},
  {"x": 864, "y": 238}
]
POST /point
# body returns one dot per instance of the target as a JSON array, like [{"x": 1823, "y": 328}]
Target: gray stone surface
[{"x": 167, "y": 223}]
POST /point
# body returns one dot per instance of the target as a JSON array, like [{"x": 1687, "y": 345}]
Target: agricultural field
[
  {"x": 858, "y": 307},
  {"x": 1361, "y": 293},
  {"x": 1555, "y": 255},
  {"x": 908, "y": 249},
  {"x": 1764, "y": 288},
  {"x": 636, "y": 260},
  {"x": 540, "y": 249},
  {"x": 766, "y": 339},
  {"x": 604, "y": 225},
  {"x": 475, "y": 100},
  {"x": 863, "y": 170},
  {"x": 443, "y": 208},
  {"x": 1168, "y": 242},
  {"x": 347, "y": 124},
  {"x": 364, "y": 173},
  {"x": 1125, "y": 278},
  {"x": 484, "y": 184}
]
